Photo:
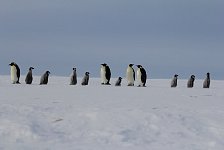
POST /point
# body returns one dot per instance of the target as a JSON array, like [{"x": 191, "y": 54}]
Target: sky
[{"x": 166, "y": 37}]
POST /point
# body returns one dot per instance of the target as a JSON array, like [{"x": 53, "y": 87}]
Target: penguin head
[
  {"x": 87, "y": 73},
  {"x": 208, "y": 74},
  {"x": 139, "y": 66},
  {"x": 48, "y": 72},
  {"x": 104, "y": 64},
  {"x": 130, "y": 65},
  {"x": 74, "y": 69},
  {"x": 176, "y": 75},
  {"x": 193, "y": 76},
  {"x": 31, "y": 68},
  {"x": 120, "y": 78},
  {"x": 12, "y": 64}
]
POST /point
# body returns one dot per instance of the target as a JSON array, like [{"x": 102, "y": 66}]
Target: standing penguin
[
  {"x": 190, "y": 82},
  {"x": 130, "y": 75},
  {"x": 15, "y": 73},
  {"x": 44, "y": 78},
  {"x": 118, "y": 83},
  {"x": 85, "y": 80},
  {"x": 206, "y": 83},
  {"x": 73, "y": 79},
  {"x": 29, "y": 76},
  {"x": 174, "y": 81},
  {"x": 141, "y": 76},
  {"x": 105, "y": 74}
]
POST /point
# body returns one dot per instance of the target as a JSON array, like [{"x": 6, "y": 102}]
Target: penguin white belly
[
  {"x": 139, "y": 77},
  {"x": 14, "y": 77},
  {"x": 130, "y": 76},
  {"x": 103, "y": 76},
  {"x": 71, "y": 78},
  {"x": 173, "y": 82}
]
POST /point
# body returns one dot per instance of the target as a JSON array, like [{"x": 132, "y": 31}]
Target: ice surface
[{"x": 101, "y": 117}]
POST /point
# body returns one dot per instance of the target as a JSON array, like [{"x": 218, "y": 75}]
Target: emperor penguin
[
  {"x": 44, "y": 78},
  {"x": 29, "y": 76},
  {"x": 85, "y": 80},
  {"x": 118, "y": 82},
  {"x": 190, "y": 82},
  {"x": 174, "y": 81},
  {"x": 73, "y": 78},
  {"x": 206, "y": 83},
  {"x": 130, "y": 75},
  {"x": 105, "y": 74},
  {"x": 141, "y": 76},
  {"x": 15, "y": 73}
]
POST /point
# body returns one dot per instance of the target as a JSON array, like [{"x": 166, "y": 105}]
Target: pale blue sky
[{"x": 165, "y": 36}]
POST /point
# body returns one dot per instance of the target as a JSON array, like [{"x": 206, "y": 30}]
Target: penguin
[
  {"x": 206, "y": 83},
  {"x": 130, "y": 75},
  {"x": 29, "y": 76},
  {"x": 141, "y": 76},
  {"x": 85, "y": 80},
  {"x": 105, "y": 74},
  {"x": 15, "y": 73},
  {"x": 174, "y": 81},
  {"x": 190, "y": 82},
  {"x": 73, "y": 78},
  {"x": 44, "y": 78},
  {"x": 118, "y": 82}
]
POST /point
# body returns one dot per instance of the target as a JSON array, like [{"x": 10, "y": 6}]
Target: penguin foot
[{"x": 141, "y": 86}]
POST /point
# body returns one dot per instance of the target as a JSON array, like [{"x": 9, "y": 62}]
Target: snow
[{"x": 101, "y": 117}]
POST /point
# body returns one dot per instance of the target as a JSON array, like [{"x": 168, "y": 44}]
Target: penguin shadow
[
  {"x": 209, "y": 95},
  {"x": 57, "y": 120},
  {"x": 143, "y": 86}
]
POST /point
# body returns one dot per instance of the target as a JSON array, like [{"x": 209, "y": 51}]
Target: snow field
[{"x": 60, "y": 116}]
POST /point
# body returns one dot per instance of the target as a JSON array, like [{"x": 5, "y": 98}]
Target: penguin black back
[
  {"x": 174, "y": 81},
  {"x": 85, "y": 80},
  {"x": 18, "y": 72},
  {"x": 190, "y": 82},
  {"x": 73, "y": 79},
  {"x": 141, "y": 75},
  {"x": 44, "y": 78},
  {"x": 29, "y": 76},
  {"x": 118, "y": 82},
  {"x": 144, "y": 75},
  {"x": 206, "y": 83},
  {"x": 108, "y": 74}
]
